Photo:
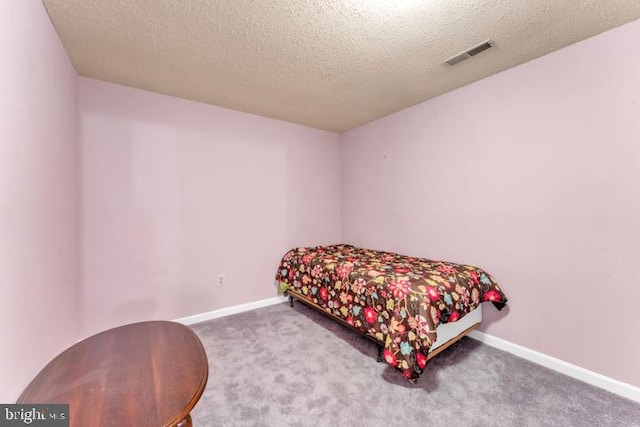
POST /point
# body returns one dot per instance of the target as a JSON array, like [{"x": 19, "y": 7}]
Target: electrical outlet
[{"x": 220, "y": 279}]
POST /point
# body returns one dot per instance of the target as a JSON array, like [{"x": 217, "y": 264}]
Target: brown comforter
[{"x": 397, "y": 299}]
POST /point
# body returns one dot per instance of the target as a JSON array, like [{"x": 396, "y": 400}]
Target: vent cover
[{"x": 473, "y": 51}]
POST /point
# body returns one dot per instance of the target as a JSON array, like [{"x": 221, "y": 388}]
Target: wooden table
[{"x": 144, "y": 374}]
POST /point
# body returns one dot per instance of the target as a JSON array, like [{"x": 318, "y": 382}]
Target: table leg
[{"x": 186, "y": 422}]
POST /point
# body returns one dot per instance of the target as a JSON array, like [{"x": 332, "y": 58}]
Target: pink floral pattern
[{"x": 398, "y": 300}]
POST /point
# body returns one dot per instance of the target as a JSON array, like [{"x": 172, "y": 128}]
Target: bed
[{"x": 411, "y": 307}]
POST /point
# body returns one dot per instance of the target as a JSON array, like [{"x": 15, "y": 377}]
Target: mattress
[
  {"x": 395, "y": 299},
  {"x": 448, "y": 331}
]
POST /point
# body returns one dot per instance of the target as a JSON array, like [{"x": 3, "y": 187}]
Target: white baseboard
[
  {"x": 228, "y": 311},
  {"x": 590, "y": 377}
]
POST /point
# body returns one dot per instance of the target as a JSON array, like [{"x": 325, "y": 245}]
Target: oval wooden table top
[{"x": 143, "y": 374}]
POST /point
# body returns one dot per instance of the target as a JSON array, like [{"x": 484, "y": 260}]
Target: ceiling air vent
[{"x": 473, "y": 51}]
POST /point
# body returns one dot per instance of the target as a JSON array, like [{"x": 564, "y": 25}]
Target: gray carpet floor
[{"x": 282, "y": 366}]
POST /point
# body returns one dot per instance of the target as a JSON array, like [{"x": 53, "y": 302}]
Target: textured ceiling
[{"x": 330, "y": 64}]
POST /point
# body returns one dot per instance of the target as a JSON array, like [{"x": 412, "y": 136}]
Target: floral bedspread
[{"x": 397, "y": 299}]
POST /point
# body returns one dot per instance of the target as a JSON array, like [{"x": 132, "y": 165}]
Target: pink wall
[
  {"x": 38, "y": 195},
  {"x": 175, "y": 192},
  {"x": 533, "y": 175}
]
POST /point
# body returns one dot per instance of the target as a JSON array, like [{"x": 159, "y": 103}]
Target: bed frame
[{"x": 454, "y": 331}]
